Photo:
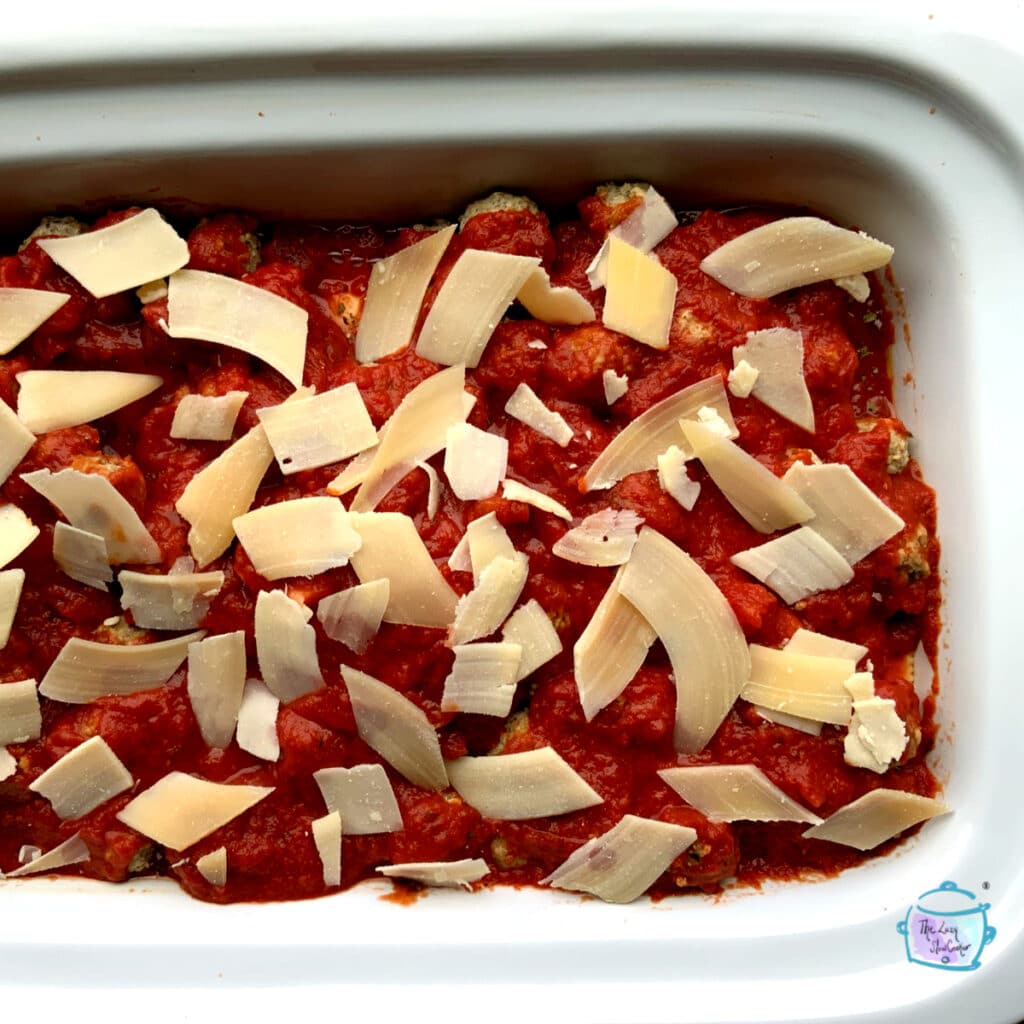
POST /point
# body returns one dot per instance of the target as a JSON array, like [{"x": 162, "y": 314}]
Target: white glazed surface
[{"x": 829, "y": 112}]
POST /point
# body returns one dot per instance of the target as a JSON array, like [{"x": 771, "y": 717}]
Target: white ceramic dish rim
[{"x": 788, "y": 953}]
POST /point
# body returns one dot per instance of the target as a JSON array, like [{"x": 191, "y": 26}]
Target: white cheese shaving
[
  {"x": 363, "y": 796},
  {"x": 856, "y": 286},
  {"x": 514, "y": 787},
  {"x": 11, "y": 582},
  {"x": 22, "y": 311},
  {"x": 211, "y": 307},
  {"x": 327, "y": 839},
  {"x": 640, "y": 295},
  {"x": 315, "y": 431},
  {"x": 433, "y": 489},
  {"x": 553, "y": 305},
  {"x": 257, "y": 722},
  {"x": 71, "y": 851},
  {"x": 615, "y": 386},
  {"x": 152, "y": 291},
  {"x": 644, "y": 228},
  {"x": 448, "y": 874},
  {"x": 354, "y": 473},
  {"x": 622, "y": 863},
  {"x": 83, "y": 778},
  {"x": 8, "y": 766},
  {"x": 125, "y": 255},
  {"x": 486, "y": 539},
  {"x": 213, "y": 866},
  {"x": 792, "y": 252},
  {"x": 847, "y": 514},
  {"x": 530, "y": 628},
  {"x": 181, "y": 809},
  {"x": 475, "y": 461},
  {"x": 85, "y": 670},
  {"x": 799, "y": 684},
  {"x": 805, "y": 725},
  {"x": 216, "y": 680},
  {"x": 796, "y": 565},
  {"x": 394, "y": 296},
  {"x": 15, "y": 441},
  {"x": 20, "y": 718},
  {"x": 176, "y": 601},
  {"x": 513, "y": 490},
  {"x": 742, "y": 377},
  {"x": 876, "y": 736},
  {"x": 353, "y": 616},
  {"x": 82, "y": 556},
  {"x": 603, "y": 538},
  {"x": 222, "y": 491},
  {"x": 482, "y": 680},
  {"x": 637, "y": 447},
  {"x": 470, "y": 304},
  {"x": 777, "y": 354},
  {"x": 699, "y": 630},
  {"x": 876, "y": 817},
  {"x": 207, "y": 417},
  {"x": 393, "y": 550},
  {"x": 524, "y": 405},
  {"x": 537, "y": 344},
  {"x": 52, "y": 399},
  {"x": 300, "y": 537},
  {"x": 286, "y": 646},
  {"x": 482, "y": 611},
  {"x": 27, "y": 854},
  {"x": 804, "y": 641},
  {"x": 17, "y": 531},
  {"x": 397, "y": 729},
  {"x": 860, "y": 686},
  {"x": 674, "y": 478},
  {"x": 735, "y": 792}
]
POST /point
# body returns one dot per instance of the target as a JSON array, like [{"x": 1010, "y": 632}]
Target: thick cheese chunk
[
  {"x": 876, "y": 736},
  {"x": 207, "y": 417},
  {"x": 20, "y": 717},
  {"x": 483, "y": 679},
  {"x": 482, "y": 611},
  {"x": 475, "y": 461},
  {"x": 640, "y": 295},
  {"x": 83, "y": 778}
]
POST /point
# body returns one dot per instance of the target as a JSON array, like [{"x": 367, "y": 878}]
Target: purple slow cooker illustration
[{"x": 947, "y": 929}]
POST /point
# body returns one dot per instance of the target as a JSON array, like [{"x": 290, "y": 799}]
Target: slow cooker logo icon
[{"x": 947, "y": 929}]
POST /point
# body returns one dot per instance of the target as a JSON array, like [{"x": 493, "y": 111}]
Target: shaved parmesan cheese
[
  {"x": 604, "y": 538},
  {"x": 638, "y": 446},
  {"x": 803, "y": 641},
  {"x": 71, "y": 851},
  {"x": 15, "y": 440},
  {"x": 475, "y": 461},
  {"x": 530, "y": 628},
  {"x": 483, "y": 679},
  {"x": 778, "y": 356},
  {"x": 792, "y": 252},
  {"x": 643, "y": 229},
  {"x": 301, "y": 537},
  {"x": 91, "y": 503},
  {"x": 311, "y": 432},
  {"x": 876, "y": 817},
  {"x": 471, "y": 302},
  {"x": 487, "y": 540},
  {"x": 482, "y": 611},
  {"x": 286, "y": 646},
  {"x": 207, "y": 417},
  {"x": 83, "y": 778},
  {"x": 799, "y": 684},
  {"x": 513, "y": 490},
  {"x": 513, "y": 787},
  {"x": 752, "y": 489},
  {"x": 876, "y": 736},
  {"x": 433, "y": 489},
  {"x": 699, "y": 630},
  {"x": 675, "y": 479},
  {"x": 394, "y": 296},
  {"x": 735, "y": 792},
  {"x": 450, "y": 874},
  {"x": 11, "y": 582},
  {"x": 353, "y": 616},
  {"x": 526, "y": 407},
  {"x": 82, "y": 556},
  {"x": 125, "y": 255},
  {"x": 742, "y": 377},
  {"x": 640, "y": 295},
  {"x": 177, "y": 601},
  {"x": 152, "y": 291},
  {"x": 8, "y": 766},
  {"x": 216, "y": 680},
  {"x": 362, "y": 796},
  {"x": 23, "y": 310},
  {"x": 610, "y": 650},
  {"x": 856, "y": 286},
  {"x": 17, "y": 531},
  {"x": 805, "y": 725},
  {"x": 393, "y": 550},
  {"x": 615, "y": 386},
  {"x": 85, "y": 670},
  {"x": 214, "y": 866},
  {"x": 327, "y": 838},
  {"x": 353, "y": 474},
  {"x": 851, "y": 517},
  {"x": 211, "y": 307},
  {"x": 257, "y": 722},
  {"x": 20, "y": 718},
  {"x": 417, "y": 430},
  {"x": 625, "y": 861},
  {"x": 221, "y": 492},
  {"x": 553, "y": 305},
  {"x": 796, "y": 565},
  {"x": 181, "y": 809},
  {"x": 397, "y": 729},
  {"x": 52, "y": 399}
]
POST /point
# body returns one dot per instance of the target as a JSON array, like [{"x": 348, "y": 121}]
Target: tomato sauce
[{"x": 891, "y": 605}]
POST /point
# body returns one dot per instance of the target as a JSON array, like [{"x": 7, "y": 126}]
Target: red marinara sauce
[{"x": 890, "y": 606}]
